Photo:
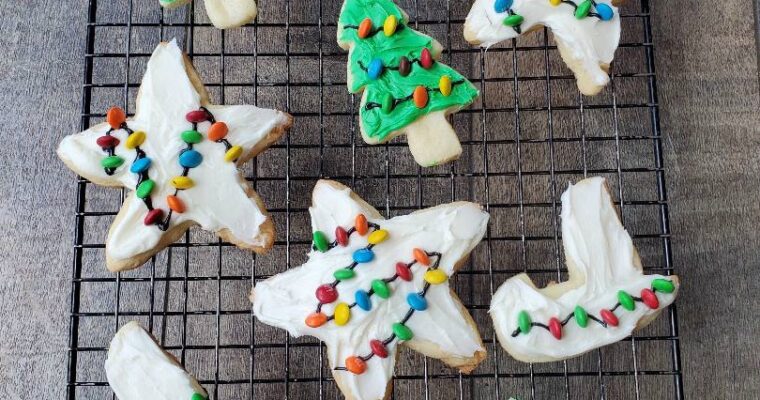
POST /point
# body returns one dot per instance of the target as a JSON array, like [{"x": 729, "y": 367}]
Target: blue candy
[
  {"x": 416, "y": 301},
  {"x": 140, "y": 165},
  {"x": 363, "y": 256},
  {"x": 362, "y": 300},
  {"x": 502, "y": 5},
  {"x": 190, "y": 159},
  {"x": 605, "y": 12},
  {"x": 375, "y": 68}
]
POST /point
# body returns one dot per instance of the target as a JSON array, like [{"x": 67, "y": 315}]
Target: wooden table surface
[{"x": 707, "y": 75}]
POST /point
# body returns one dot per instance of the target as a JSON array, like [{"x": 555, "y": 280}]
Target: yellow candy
[
  {"x": 435, "y": 276},
  {"x": 182, "y": 182},
  {"x": 342, "y": 314},
  {"x": 555, "y": 2},
  {"x": 389, "y": 27},
  {"x": 135, "y": 139},
  {"x": 233, "y": 153},
  {"x": 377, "y": 236},
  {"x": 445, "y": 85}
]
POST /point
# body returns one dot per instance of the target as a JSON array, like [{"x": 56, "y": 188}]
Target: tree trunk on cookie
[{"x": 405, "y": 88}]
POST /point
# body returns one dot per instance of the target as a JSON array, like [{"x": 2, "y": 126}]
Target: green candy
[
  {"x": 402, "y": 331},
  {"x": 320, "y": 241},
  {"x": 381, "y": 289},
  {"x": 626, "y": 300},
  {"x": 112, "y": 162},
  {"x": 513, "y": 20},
  {"x": 663, "y": 285},
  {"x": 581, "y": 316},
  {"x": 192, "y": 136},
  {"x": 387, "y": 105},
  {"x": 583, "y": 9},
  {"x": 145, "y": 188},
  {"x": 198, "y": 396},
  {"x": 343, "y": 274},
  {"x": 524, "y": 322}
]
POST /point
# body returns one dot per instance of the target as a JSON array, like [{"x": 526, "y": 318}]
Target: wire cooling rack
[{"x": 525, "y": 138}]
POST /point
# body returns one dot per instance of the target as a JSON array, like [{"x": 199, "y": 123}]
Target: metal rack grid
[{"x": 528, "y": 135}]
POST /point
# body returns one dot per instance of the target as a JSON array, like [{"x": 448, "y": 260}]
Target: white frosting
[
  {"x": 588, "y": 42},
  {"x": 137, "y": 369},
  {"x": 218, "y": 200},
  {"x": 222, "y": 13},
  {"x": 286, "y": 299},
  {"x": 602, "y": 261}
]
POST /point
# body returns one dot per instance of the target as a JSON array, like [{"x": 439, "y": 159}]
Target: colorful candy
[
  {"x": 361, "y": 225},
  {"x": 326, "y": 294},
  {"x": 378, "y": 348},
  {"x": 320, "y": 241},
  {"x": 356, "y": 365},
  {"x": 153, "y": 216},
  {"x": 420, "y": 96},
  {"x": 390, "y": 24},
  {"x": 362, "y": 300},
  {"x": 387, "y": 103},
  {"x": 555, "y": 3},
  {"x": 524, "y": 322},
  {"x": 513, "y": 20},
  {"x": 341, "y": 236},
  {"x": 190, "y": 159},
  {"x": 342, "y": 314},
  {"x": 217, "y": 131},
  {"x": 426, "y": 59},
  {"x": 140, "y": 165},
  {"x": 663, "y": 285},
  {"x": 375, "y": 68},
  {"x": 315, "y": 320},
  {"x": 626, "y": 300},
  {"x": 233, "y": 153},
  {"x": 402, "y": 331},
  {"x": 344, "y": 274},
  {"x": 404, "y": 66},
  {"x": 145, "y": 188},
  {"x": 581, "y": 316},
  {"x": 421, "y": 256},
  {"x": 403, "y": 271},
  {"x": 435, "y": 277},
  {"x": 381, "y": 289},
  {"x": 135, "y": 140},
  {"x": 107, "y": 141},
  {"x": 650, "y": 299},
  {"x": 182, "y": 182},
  {"x": 196, "y": 116},
  {"x": 363, "y": 256},
  {"x": 365, "y": 27},
  {"x": 583, "y": 9},
  {"x": 609, "y": 317},
  {"x": 555, "y": 328},
  {"x": 175, "y": 204},
  {"x": 416, "y": 301},
  {"x": 115, "y": 117},
  {"x": 191, "y": 136},
  {"x": 377, "y": 236},
  {"x": 112, "y": 162},
  {"x": 604, "y": 11},
  {"x": 501, "y": 6},
  {"x": 444, "y": 85}
]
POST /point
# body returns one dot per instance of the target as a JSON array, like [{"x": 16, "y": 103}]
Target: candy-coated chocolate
[
  {"x": 342, "y": 314},
  {"x": 361, "y": 225},
  {"x": 153, "y": 216},
  {"x": 402, "y": 331},
  {"x": 501, "y": 6},
  {"x": 196, "y": 116},
  {"x": 233, "y": 153},
  {"x": 650, "y": 299},
  {"x": 363, "y": 256},
  {"x": 381, "y": 289},
  {"x": 198, "y": 396},
  {"x": 362, "y": 300},
  {"x": 356, "y": 365},
  {"x": 524, "y": 322},
  {"x": 365, "y": 27},
  {"x": 315, "y": 320},
  {"x": 191, "y": 136},
  {"x": 626, "y": 300},
  {"x": 375, "y": 68},
  {"x": 115, "y": 116},
  {"x": 140, "y": 165},
  {"x": 609, "y": 317},
  {"x": 344, "y": 273},
  {"x": 341, "y": 236},
  {"x": 320, "y": 241},
  {"x": 435, "y": 276},
  {"x": 663, "y": 285},
  {"x": 604, "y": 11},
  {"x": 377, "y": 236},
  {"x": 190, "y": 159},
  {"x": 217, "y": 131},
  {"x": 555, "y": 2},
  {"x": 416, "y": 301},
  {"x": 421, "y": 256},
  {"x": 403, "y": 271},
  {"x": 145, "y": 188},
  {"x": 420, "y": 97},
  {"x": 555, "y": 328},
  {"x": 107, "y": 141},
  {"x": 387, "y": 104},
  {"x": 444, "y": 85},
  {"x": 378, "y": 348},
  {"x": 404, "y": 66},
  {"x": 326, "y": 294},
  {"x": 175, "y": 204},
  {"x": 112, "y": 162},
  {"x": 390, "y": 24},
  {"x": 581, "y": 316},
  {"x": 426, "y": 59},
  {"x": 136, "y": 139},
  {"x": 583, "y": 9},
  {"x": 182, "y": 182},
  {"x": 513, "y": 20}
]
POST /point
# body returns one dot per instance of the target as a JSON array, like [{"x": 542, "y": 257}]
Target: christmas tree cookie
[
  {"x": 138, "y": 369},
  {"x": 605, "y": 299},
  {"x": 373, "y": 284},
  {"x": 179, "y": 156},
  {"x": 222, "y": 13},
  {"x": 587, "y": 32},
  {"x": 406, "y": 89}
]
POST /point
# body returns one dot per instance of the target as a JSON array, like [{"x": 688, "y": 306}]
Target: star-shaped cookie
[
  {"x": 372, "y": 284},
  {"x": 178, "y": 156}
]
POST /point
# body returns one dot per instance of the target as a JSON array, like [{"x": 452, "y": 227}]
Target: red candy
[
  {"x": 649, "y": 298},
  {"x": 426, "y": 59},
  {"x": 196, "y": 116},
  {"x": 154, "y": 216},
  {"x": 107, "y": 141},
  {"x": 403, "y": 271},
  {"x": 609, "y": 317},
  {"x": 378, "y": 348},
  {"x": 326, "y": 294},
  {"x": 341, "y": 236},
  {"x": 115, "y": 117},
  {"x": 555, "y": 327}
]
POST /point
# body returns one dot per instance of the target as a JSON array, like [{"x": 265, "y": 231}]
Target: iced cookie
[
  {"x": 606, "y": 297},
  {"x": 405, "y": 88},
  {"x": 178, "y": 156},
  {"x": 587, "y": 32},
  {"x": 138, "y": 369},
  {"x": 372, "y": 284},
  {"x": 222, "y": 13}
]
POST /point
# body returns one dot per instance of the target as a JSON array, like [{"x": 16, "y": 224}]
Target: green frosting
[{"x": 404, "y": 42}]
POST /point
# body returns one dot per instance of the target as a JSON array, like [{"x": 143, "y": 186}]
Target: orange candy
[
  {"x": 115, "y": 117},
  {"x": 421, "y": 257},
  {"x": 315, "y": 320},
  {"x": 420, "y": 96},
  {"x": 356, "y": 365},
  {"x": 175, "y": 204},
  {"x": 361, "y": 224},
  {"x": 365, "y": 27},
  {"x": 217, "y": 131}
]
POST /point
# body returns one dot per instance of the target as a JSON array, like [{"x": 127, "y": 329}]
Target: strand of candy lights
[
  {"x": 608, "y": 317},
  {"x": 581, "y": 10}
]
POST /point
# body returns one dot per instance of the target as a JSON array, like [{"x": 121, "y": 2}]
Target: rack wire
[{"x": 528, "y": 135}]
